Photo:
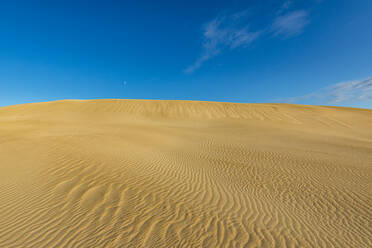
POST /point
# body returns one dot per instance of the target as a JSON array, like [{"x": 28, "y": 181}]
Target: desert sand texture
[{"x": 141, "y": 173}]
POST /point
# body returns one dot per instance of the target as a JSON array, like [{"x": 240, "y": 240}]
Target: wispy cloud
[
  {"x": 226, "y": 32},
  {"x": 285, "y": 6},
  {"x": 345, "y": 93},
  {"x": 290, "y": 24},
  {"x": 233, "y": 31}
]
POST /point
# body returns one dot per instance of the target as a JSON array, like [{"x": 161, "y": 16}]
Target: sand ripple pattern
[{"x": 121, "y": 173}]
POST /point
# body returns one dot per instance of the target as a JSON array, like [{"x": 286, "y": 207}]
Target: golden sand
[{"x": 133, "y": 173}]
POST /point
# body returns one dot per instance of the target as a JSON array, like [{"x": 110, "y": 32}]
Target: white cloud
[
  {"x": 351, "y": 91},
  {"x": 290, "y": 24},
  {"x": 345, "y": 93},
  {"x": 285, "y": 6},
  {"x": 233, "y": 31},
  {"x": 223, "y": 33}
]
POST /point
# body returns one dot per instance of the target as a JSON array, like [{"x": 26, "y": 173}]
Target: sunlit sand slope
[{"x": 130, "y": 173}]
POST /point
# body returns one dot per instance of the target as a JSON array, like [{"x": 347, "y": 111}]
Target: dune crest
[{"x": 140, "y": 173}]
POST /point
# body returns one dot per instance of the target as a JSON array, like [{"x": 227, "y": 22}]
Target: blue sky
[{"x": 299, "y": 51}]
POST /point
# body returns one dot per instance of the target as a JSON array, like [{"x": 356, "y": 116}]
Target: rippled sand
[{"x": 131, "y": 173}]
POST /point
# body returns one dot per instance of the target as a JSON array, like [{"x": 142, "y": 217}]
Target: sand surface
[{"x": 132, "y": 173}]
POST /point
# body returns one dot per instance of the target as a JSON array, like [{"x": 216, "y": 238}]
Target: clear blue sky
[{"x": 304, "y": 51}]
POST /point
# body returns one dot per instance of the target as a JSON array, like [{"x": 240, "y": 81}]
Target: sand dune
[{"x": 132, "y": 173}]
